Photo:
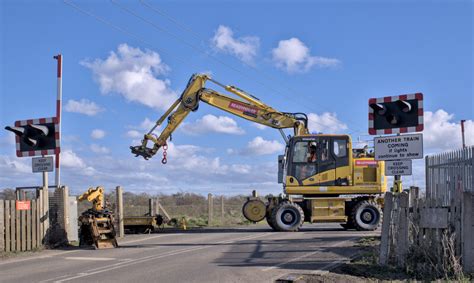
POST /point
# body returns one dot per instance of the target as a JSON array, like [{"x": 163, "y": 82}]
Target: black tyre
[
  {"x": 366, "y": 216},
  {"x": 270, "y": 223},
  {"x": 350, "y": 222},
  {"x": 287, "y": 217}
]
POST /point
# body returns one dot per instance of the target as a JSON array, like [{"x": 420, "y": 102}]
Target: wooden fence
[
  {"x": 439, "y": 226},
  {"x": 20, "y": 230}
]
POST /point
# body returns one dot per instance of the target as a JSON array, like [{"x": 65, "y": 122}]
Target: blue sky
[{"x": 325, "y": 58}]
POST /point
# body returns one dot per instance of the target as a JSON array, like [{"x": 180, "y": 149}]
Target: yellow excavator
[
  {"x": 324, "y": 179},
  {"x": 96, "y": 224}
]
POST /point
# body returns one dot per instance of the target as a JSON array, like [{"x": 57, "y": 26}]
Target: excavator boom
[{"x": 245, "y": 106}]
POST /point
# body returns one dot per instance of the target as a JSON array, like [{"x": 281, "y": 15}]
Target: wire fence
[{"x": 196, "y": 209}]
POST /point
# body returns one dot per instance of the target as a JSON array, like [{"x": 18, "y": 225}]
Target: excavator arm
[
  {"x": 245, "y": 106},
  {"x": 94, "y": 195}
]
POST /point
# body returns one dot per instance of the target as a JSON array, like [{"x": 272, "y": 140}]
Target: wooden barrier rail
[{"x": 19, "y": 229}]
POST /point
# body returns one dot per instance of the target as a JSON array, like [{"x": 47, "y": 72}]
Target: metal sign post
[{"x": 397, "y": 180}]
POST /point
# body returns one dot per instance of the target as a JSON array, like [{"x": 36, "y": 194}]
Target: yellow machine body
[
  {"x": 96, "y": 224},
  {"x": 321, "y": 166},
  {"x": 328, "y": 210},
  {"x": 334, "y": 170}
]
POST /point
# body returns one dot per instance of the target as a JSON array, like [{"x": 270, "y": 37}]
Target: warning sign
[
  {"x": 23, "y": 205},
  {"x": 42, "y": 164},
  {"x": 398, "y": 167},
  {"x": 399, "y": 147}
]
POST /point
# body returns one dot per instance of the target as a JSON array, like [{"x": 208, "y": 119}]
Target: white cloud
[
  {"x": 83, "y": 106},
  {"x": 134, "y": 134},
  {"x": 241, "y": 168},
  {"x": 210, "y": 123},
  {"x": 203, "y": 173},
  {"x": 99, "y": 149},
  {"x": 70, "y": 159},
  {"x": 137, "y": 131},
  {"x": 260, "y": 146},
  {"x": 442, "y": 133},
  {"x": 244, "y": 48},
  {"x": 12, "y": 165},
  {"x": 293, "y": 56},
  {"x": 147, "y": 124},
  {"x": 97, "y": 134},
  {"x": 259, "y": 126},
  {"x": 325, "y": 123},
  {"x": 133, "y": 73},
  {"x": 75, "y": 165}
]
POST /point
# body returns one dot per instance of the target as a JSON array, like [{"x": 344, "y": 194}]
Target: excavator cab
[{"x": 318, "y": 160}]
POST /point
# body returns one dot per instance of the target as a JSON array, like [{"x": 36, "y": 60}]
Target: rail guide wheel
[{"x": 254, "y": 210}]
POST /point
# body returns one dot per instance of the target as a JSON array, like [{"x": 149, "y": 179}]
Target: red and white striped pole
[{"x": 59, "y": 58}]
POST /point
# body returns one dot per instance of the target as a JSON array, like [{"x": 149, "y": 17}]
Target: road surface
[{"x": 250, "y": 254}]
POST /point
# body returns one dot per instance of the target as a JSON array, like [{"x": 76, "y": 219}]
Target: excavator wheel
[
  {"x": 366, "y": 216},
  {"x": 287, "y": 217}
]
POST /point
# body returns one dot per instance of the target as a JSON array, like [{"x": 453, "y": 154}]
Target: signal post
[{"x": 41, "y": 137}]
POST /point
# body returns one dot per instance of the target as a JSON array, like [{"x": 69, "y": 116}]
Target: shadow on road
[{"x": 288, "y": 255}]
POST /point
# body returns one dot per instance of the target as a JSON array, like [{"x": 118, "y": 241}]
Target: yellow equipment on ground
[
  {"x": 96, "y": 224},
  {"x": 324, "y": 179}
]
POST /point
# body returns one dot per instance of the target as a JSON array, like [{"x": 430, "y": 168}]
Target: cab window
[
  {"x": 340, "y": 147},
  {"x": 304, "y": 160},
  {"x": 324, "y": 150},
  {"x": 300, "y": 152}
]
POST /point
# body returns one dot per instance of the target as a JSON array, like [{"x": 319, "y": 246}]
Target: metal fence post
[{"x": 119, "y": 212}]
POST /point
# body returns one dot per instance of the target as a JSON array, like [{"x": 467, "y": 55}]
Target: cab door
[
  {"x": 341, "y": 151},
  {"x": 326, "y": 163}
]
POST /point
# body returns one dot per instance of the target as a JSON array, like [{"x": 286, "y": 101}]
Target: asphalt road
[{"x": 251, "y": 254}]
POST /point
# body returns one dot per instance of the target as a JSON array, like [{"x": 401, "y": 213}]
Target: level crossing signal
[
  {"x": 36, "y": 137},
  {"x": 396, "y": 114}
]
